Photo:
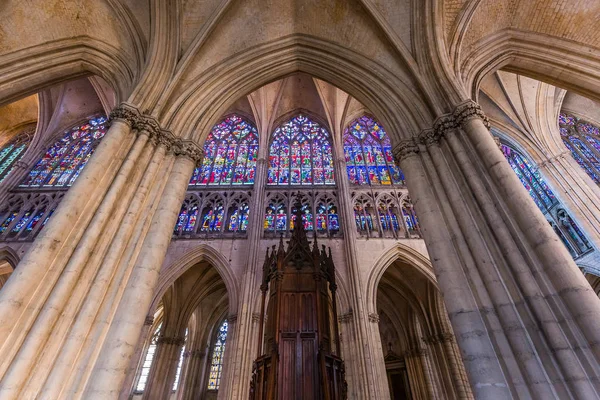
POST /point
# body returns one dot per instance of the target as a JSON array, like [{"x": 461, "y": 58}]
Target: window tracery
[
  {"x": 368, "y": 154},
  {"x": 562, "y": 224},
  {"x": 387, "y": 213},
  {"x": 25, "y": 214},
  {"x": 65, "y": 159},
  {"x": 583, "y": 141},
  {"x": 218, "y": 351},
  {"x": 530, "y": 178},
  {"x": 300, "y": 154},
  {"x": 214, "y": 214},
  {"x": 230, "y": 153},
  {"x": 319, "y": 212},
  {"x": 12, "y": 152}
]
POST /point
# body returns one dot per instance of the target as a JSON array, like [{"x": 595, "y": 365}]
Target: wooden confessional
[{"x": 301, "y": 332}]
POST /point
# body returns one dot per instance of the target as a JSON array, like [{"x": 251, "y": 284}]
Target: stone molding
[
  {"x": 195, "y": 353},
  {"x": 146, "y": 124},
  {"x": 439, "y": 338},
  {"x": 468, "y": 110},
  {"x": 126, "y": 113},
  {"x": 232, "y": 318},
  {"x": 176, "y": 340},
  {"x": 149, "y": 320},
  {"x": 347, "y": 317},
  {"x": 256, "y": 317},
  {"x": 374, "y": 318},
  {"x": 416, "y": 351},
  {"x": 405, "y": 148},
  {"x": 190, "y": 149}
]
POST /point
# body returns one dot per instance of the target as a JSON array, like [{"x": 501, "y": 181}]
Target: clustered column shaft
[
  {"x": 97, "y": 259},
  {"x": 509, "y": 284}
]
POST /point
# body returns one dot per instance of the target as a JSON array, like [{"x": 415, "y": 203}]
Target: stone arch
[
  {"x": 200, "y": 253},
  {"x": 400, "y": 252},
  {"x": 194, "y": 111},
  {"x": 561, "y": 62},
  {"x": 49, "y": 63}
]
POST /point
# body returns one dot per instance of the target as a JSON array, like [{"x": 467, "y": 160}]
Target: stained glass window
[
  {"x": 238, "y": 218},
  {"x": 368, "y": 154},
  {"x": 583, "y": 141},
  {"x": 300, "y": 154},
  {"x": 363, "y": 215},
  {"x": 216, "y": 365},
  {"x": 307, "y": 218},
  {"x": 530, "y": 178},
  {"x": 24, "y": 214},
  {"x": 64, "y": 161},
  {"x": 410, "y": 219},
  {"x": 141, "y": 384},
  {"x": 230, "y": 153},
  {"x": 12, "y": 152},
  {"x": 327, "y": 219}
]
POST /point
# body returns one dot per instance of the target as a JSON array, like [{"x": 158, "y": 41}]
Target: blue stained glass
[
  {"x": 7, "y": 221},
  {"x": 530, "y": 178},
  {"x": 300, "y": 154},
  {"x": 581, "y": 138},
  {"x": 368, "y": 149},
  {"x": 230, "y": 153},
  {"x": 216, "y": 365},
  {"x": 63, "y": 162}
]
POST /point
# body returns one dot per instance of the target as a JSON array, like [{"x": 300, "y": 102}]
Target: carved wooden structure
[{"x": 301, "y": 339}]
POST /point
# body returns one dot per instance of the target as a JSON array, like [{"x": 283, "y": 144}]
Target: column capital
[
  {"x": 346, "y": 317},
  {"x": 190, "y": 149},
  {"x": 125, "y": 112},
  {"x": 176, "y": 340},
  {"x": 405, "y": 149},
  {"x": 374, "y": 318},
  {"x": 468, "y": 110},
  {"x": 232, "y": 318},
  {"x": 149, "y": 320}
]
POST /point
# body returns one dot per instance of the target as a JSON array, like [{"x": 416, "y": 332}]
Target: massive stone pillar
[
  {"x": 67, "y": 312},
  {"x": 364, "y": 357},
  {"x": 526, "y": 321}
]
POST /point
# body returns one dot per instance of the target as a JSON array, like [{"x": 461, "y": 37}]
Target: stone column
[
  {"x": 367, "y": 358},
  {"x": 164, "y": 367},
  {"x": 240, "y": 352},
  {"x": 537, "y": 319},
  {"x": 444, "y": 244},
  {"x": 62, "y": 303},
  {"x": 195, "y": 382},
  {"x": 119, "y": 345}
]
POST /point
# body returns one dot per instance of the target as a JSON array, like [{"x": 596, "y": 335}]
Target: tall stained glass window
[
  {"x": 368, "y": 154},
  {"x": 143, "y": 379},
  {"x": 12, "y": 152},
  {"x": 583, "y": 141},
  {"x": 216, "y": 365},
  {"x": 230, "y": 153},
  {"x": 63, "y": 162},
  {"x": 300, "y": 154},
  {"x": 530, "y": 178}
]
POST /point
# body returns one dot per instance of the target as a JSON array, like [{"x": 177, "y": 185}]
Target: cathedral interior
[{"x": 296, "y": 199}]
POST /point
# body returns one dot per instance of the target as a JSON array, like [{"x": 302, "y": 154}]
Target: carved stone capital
[
  {"x": 176, "y": 341},
  {"x": 439, "y": 338},
  {"x": 416, "y": 351},
  {"x": 163, "y": 138},
  {"x": 126, "y": 113},
  {"x": 149, "y": 320},
  {"x": 405, "y": 148},
  {"x": 147, "y": 124},
  {"x": 347, "y": 317},
  {"x": 231, "y": 318},
  {"x": 21, "y": 164},
  {"x": 189, "y": 148},
  {"x": 428, "y": 137},
  {"x": 468, "y": 110},
  {"x": 374, "y": 318},
  {"x": 256, "y": 317}
]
